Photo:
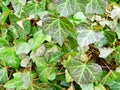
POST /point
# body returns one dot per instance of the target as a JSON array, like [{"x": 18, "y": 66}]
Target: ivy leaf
[
  {"x": 111, "y": 76},
  {"x": 54, "y": 58},
  {"x": 20, "y": 81},
  {"x": 87, "y": 86},
  {"x": 69, "y": 7},
  {"x": 104, "y": 52},
  {"x": 34, "y": 8},
  {"x": 45, "y": 70},
  {"x": 84, "y": 73},
  {"x": 3, "y": 42},
  {"x": 3, "y": 75},
  {"x": 87, "y": 37},
  {"x": 58, "y": 27},
  {"x": 110, "y": 36},
  {"x": 96, "y": 6},
  {"x": 99, "y": 87},
  {"x": 18, "y": 5},
  {"x": 8, "y": 55},
  {"x": 23, "y": 47},
  {"x": 27, "y": 26},
  {"x": 115, "y": 12},
  {"x": 39, "y": 38},
  {"x": 114, "y": 85}
]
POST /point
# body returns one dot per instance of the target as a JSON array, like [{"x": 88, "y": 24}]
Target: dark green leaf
[{"x": 58, "y": 27}]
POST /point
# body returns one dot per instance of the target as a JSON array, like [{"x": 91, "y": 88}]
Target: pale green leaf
[
  {"x": 96, "y": 6},
  {"x": 100, "y": 87},
  {"x": 68, "y": 77},
  {"x": 84, "y": 73},
  {"x": 23, "y": 47},
  {"x": 58, "y": 27},
  {"x": 115, "y": 12},
  {"x": 80, "y": 16},
  {"x": 87, "y": 37},
  {"x": 105, "y": 52},
  {"x": 69, "y": 7},
  {"x": 18, "y": 5},
  {"x": 87, "y": 86}
]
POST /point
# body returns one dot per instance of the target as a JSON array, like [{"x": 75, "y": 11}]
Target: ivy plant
[{"x": 59, "y": 45}]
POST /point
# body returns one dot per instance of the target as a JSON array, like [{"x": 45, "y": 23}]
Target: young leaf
[{"x": 58, "y": 27}]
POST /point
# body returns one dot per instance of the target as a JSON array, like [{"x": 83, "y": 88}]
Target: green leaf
[
  {"x": 53, "y": 58},
  {"x": 117, "y": 30},
  {"x": 27, "y": 26},
  {"x": 87, "y": 37},
  {"x": 69, "y": 7},
  {"x": 100, "y": 87},
  {"x": 110, "y": 36},
  {"x": 68, "y": 77},
  {"x": 3, "y": 75},
  {"x": 105, "y": 52},
  {"x": 96, "y": 6},
  {"x": 3, "y": 42},
  {"x": 34, "y": 8},
  {"x": 8, "y": 55},
  {"x": 18, "y": 5},
  {"x": 110, "y": 76},
  {"x": 87, "y": 86},
  {"x": 114, "y": 85},
  {"x": 5, "y": 13},
  {"x": 84, "y": 73},
  {"x": 45, "y": 70},
  {"x": 39, "y": 38},
  {"x": 22, "y": 48},
  {"x": 20, "y": 81},
  {"x": 58, "y": 27},
  {"x": 80, "y": 16}
]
